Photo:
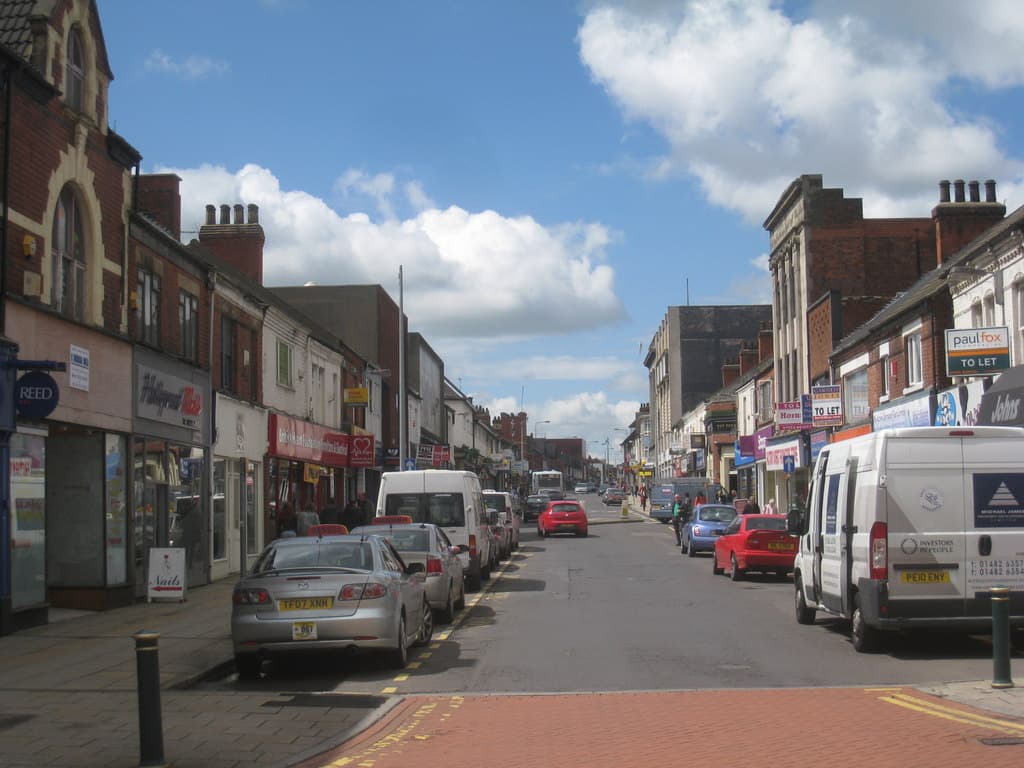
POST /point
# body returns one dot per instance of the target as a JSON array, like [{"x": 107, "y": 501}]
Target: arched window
[
  {"x": 68, "y": 256},
  {"x": 74, "y": 87}
]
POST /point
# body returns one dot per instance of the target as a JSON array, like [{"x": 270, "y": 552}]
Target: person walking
[
  {"x": 677, "y": 518},
  {"x": 752, "y": 508},
  {"x": 643, "y": 498},
  {"x": 769, "y": 508}
]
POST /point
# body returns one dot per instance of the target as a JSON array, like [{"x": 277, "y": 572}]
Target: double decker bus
[{"x": 548, "y": 481}]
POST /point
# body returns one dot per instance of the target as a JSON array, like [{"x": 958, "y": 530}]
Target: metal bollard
[
  {"x": 151, "y": 733},
  {"x": 1001, "y": 638}
]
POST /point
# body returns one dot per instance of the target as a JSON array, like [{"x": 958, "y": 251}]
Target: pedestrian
[
  {"x": 365, "y": 511},
  {"x": 752, "y": 508},
  {"x": 699, "y": 499},
  {"x": 350, "y": 517},
  {"x": 643, "y": 498},
  {"x": 287, "y": 523},
  {"x": 307, "y": 518},
  {"x": 769, "y": 508},
  {"x": 677, "y": 523}
]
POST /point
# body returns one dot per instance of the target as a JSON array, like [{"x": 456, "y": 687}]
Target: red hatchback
[
  {"x": 755, "y": 543},
  {"x": 562, "y": 517}
]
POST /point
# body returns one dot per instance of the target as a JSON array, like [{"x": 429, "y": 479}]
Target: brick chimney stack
[
  {"x": 960, "y": 221},
  {"x": 730, "y": 372},
  {"x": 748, "y": 358},
  {"x": 239, "y": 242},
  {"x": 765, "y": 342},
  {"x": 159, "y": 196}
]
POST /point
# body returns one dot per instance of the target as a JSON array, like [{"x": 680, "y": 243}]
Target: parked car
[
  {"x": 427, "y": 544},
  {"x": 505, "y": 503},
  {"x": 706, "y": 523},
  {"x": 755, "y": 543},
  {"x": 614, "y": 497},
  {"x": 501, "y": 534},
  {"x": 535, "y": 504},
  {"x": 329, "y": 593},
  {"x": 581, "y": 488},
  {"x": 563, "y": 516}
]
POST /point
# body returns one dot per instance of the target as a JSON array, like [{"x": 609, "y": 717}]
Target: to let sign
[
  {"x": 36, "y": 395},
  {"x": 977, "y": 351},
  {"x": 827, "y": 405}
]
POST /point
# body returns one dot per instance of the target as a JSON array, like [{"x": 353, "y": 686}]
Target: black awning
[{"x": 1002, "y": 405}]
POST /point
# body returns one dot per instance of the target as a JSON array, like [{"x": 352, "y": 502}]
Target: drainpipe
[{"x": 7, "y": 81}]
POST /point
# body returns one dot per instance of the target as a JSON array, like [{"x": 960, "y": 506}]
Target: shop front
[
  {"x": 170, "y": 464},
  {"x": 69, "y": 542},
  {"x": 913, "y": 411},
  {"x": 309, "y": 467},
  {"x": 237, "y": 525},
  {"x": 786, "y": 460}
]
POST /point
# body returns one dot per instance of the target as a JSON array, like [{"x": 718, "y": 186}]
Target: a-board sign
[{"x": 166, "y": 574}]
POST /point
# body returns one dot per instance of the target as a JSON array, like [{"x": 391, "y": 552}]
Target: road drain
[
  {"x": 327, "y": 700},
  {"x": 1003, "y": 741}
]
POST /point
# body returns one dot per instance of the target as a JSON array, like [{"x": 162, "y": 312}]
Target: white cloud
[
  {"x": 417, "y": 198},
  {"x": 748, "y": 98},
  {"x": 193, "y": 67},
  {"x": 558, "y": 368},
  {"x": 467, "y": 274}
]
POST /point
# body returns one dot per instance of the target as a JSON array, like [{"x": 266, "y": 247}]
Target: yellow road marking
[
  {"x": 435, "y": 646},
  {"x": 389, "y": 689},
  {"x": 443, "y": 636},
  {"x": 949, "y": 713},
  {"x": 425, "y": 654},
  {"x": 401, "y": 678},
  {"x": 414, "y": 664}
]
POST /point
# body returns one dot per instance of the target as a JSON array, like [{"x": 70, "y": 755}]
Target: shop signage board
[
  {"x": 168, "y": 399},
  {"x": 78, "y": 368},
  {"x": 827, "y": 405},
  {"x": 913, "y": 412},
  {"x": 36, "y": 395},
  {"x": 357, "y": 397},
  {"x": 166, "y": 574},
  {"x": 790, "y": 415},
  {"x": 977, "y": 351},
  {"x": 292, "y": 438},
  {"x": 361, "y": 451},
  {"x": 775, "y": 455}
]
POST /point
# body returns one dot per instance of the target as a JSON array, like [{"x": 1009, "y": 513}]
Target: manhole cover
[{"x": 325, "y": 700}]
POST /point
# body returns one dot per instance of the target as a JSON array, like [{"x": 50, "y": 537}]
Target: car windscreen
[
  {"x": 317, "y": 553},
  {"x": 444, "y": 509},
  {"x": 716, "y": 514},
  {"x": 537, "y": 501},
  {"x": 755, "y": 523},
  {"x": 408, "y": 541},
  {"x": 495, "y": 501}
]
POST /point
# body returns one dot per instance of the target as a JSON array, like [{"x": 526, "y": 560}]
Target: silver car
[
  {"x": 325, "y": 593},
  {"x": 427, "y": 544}
]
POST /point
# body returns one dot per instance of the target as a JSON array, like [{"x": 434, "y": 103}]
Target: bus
[{"x": 548, "y": 481}]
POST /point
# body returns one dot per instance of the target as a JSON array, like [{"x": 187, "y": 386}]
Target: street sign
[
  {"x": 410, "y": 464},
  {"x": 788, "y": 464},
  {"x": 36, "y": 395}
]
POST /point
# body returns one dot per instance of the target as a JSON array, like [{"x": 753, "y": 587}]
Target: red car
[
  {"x": 755, "y": 543},
  {"x": 566, "y": 516}
]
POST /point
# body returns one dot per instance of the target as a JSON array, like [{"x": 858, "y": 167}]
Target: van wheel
[
  {"x": 735, "y": 572},
  {"x": 804, "y": 613},
  {"x": 865, "y": 638},
  {"x": 714, "y": 564}
]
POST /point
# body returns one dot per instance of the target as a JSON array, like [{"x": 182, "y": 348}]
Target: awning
[{"x": 1003, "y": 404}]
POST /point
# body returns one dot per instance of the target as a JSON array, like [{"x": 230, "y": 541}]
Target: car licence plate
[
  {"x": 780, "y": 545},
  {"x": 305, "y": 603},
  {"x": 567, "y": 526},
  {"x": 924, "y": 577},
  {"x": 303, "y": 630}
]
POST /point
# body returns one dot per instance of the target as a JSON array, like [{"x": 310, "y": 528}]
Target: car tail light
[
  {"x": 433, "y": 566},
  {"x": 698, "y": 531},
  {"x": 367, "y": 591},
  {"x": 472, "y": 545},
  {"x": 879, "y": 549},
  {"x": 250, "y": 597}
]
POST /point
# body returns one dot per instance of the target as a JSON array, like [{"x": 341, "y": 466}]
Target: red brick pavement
[{"x": 834, "y": 727}]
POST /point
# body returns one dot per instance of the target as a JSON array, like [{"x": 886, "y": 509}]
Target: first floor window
[
  {"x": 188, "y": 324},
  {"x": 68, "y": 256},
  {"x": 227, "y": 354},
  {"x": 912, "y": 344},
  {"x": 284, "y": 364},
  {"x": 148, "y": 312}
]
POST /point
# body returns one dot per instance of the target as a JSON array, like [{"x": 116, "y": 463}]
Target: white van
[
  {"x": 909, "y": 528},
  {"x": 451, "y": 500}
]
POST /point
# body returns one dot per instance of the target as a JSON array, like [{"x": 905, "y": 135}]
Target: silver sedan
[
  {"x": 331, "y": 592},
  {"x": 427, "y": 544}
]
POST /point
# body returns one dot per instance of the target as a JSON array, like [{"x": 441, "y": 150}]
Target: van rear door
[
  {"x": 925, "y": 502},
  {"x": 994, "y": 521},
  {"x": 832, "y": 561}
]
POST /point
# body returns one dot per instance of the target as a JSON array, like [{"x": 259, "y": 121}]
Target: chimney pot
[
  {"x": 973, "y": 188},
  {"x": 211, "y": 214},
  {"x": 238, "y": 214},
  {"x": 944, "y": 191},
  {"x": 225, "y": 214},
  {"x": 254, "y": 213},
  {"x": 990, "y": 190},
  {"x": 958, "y": 191}
]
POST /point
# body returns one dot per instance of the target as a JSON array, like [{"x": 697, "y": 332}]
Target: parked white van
[
  {"x": 910, "y": 528},
  {"x": 451, "y": 500}
]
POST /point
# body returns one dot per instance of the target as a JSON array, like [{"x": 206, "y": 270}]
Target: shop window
[
  {"x": 68, "y": 256},
  {"x": 74, "y": 73},
  {"x": 976, "y": 316},
  {"x": 188, "y": 325},
  {"x": 116, "y": 466},
  {"x": 147, "y": 312},
  {"x": 228, "y": 353},
  {"x": 884, "y": 391},
  {"x": 28, "y": 520},
  {"x": 284, "y": 364}
]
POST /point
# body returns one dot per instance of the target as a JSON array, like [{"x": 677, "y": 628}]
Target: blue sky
[{"x": 551, "y": 174}]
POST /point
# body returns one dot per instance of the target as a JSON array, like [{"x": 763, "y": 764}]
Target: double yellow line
[{"x": 924, "y": 706}]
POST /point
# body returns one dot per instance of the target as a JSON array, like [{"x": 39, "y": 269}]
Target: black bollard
[
  {"x": 151, "y": 730},
  {"x": 1001, "y": 638}
]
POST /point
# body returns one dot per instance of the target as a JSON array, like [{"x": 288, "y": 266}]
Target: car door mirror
[{"x": 453, "y": 550}]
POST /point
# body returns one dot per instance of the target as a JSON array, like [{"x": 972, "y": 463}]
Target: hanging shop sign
[
  {"x": 36, "y": 395},
  {"x": 361, "y": 451},
  {"x": 357, "y": 397}
]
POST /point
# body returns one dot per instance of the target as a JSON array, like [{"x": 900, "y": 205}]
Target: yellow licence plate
[
  {"x": 780, "y": 545},
  {"x": 305, "y": 603},
  {"x": 924, "y": 577},
  {"x": 303, "y": 630}
]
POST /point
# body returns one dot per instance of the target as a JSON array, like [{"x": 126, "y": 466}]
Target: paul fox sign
[{"x": 977, "y": 351}]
